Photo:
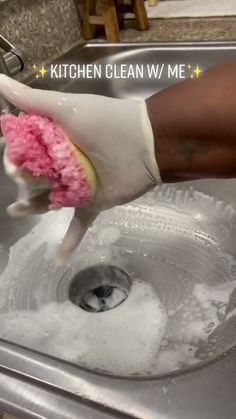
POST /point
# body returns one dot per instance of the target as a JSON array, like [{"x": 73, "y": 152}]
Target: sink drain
[{"x": 100, "y": 288}]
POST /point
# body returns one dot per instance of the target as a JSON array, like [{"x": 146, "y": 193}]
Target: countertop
[{"x": 170, "y": 30}]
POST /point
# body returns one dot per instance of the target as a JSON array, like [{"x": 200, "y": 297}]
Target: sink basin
[{"x": 141, "y": 322}]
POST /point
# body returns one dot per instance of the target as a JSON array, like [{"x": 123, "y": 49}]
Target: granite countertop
[{"x": 191, "y": 29}]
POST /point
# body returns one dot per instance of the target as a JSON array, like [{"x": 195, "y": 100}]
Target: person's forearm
[{"x": 194, "y": 125}]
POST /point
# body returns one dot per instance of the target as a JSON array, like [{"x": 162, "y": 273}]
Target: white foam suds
[{"x": 119, "y": 340}]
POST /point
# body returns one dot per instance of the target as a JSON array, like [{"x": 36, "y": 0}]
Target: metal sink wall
[{"x": 33, "y": 383}]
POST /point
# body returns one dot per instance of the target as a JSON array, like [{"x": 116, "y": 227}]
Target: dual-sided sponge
[{"x": 41, "y": 150}]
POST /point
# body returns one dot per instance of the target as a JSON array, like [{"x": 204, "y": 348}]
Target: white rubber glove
[{"x": 115, "y": 134}]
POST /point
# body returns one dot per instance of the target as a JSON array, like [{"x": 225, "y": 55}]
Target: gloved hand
[{"x": 115, "y": 134}]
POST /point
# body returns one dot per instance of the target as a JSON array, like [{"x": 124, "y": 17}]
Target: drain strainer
[{"x": 100, "y": 288}]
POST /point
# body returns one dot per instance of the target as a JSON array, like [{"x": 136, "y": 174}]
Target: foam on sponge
[{"x": 40, "y": 148}]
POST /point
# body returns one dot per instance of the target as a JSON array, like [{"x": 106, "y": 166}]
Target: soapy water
[
  {"x": 182, "y": 286},
  {"x": 119, "y": 338},
  {"x": 198, "y": 319}
]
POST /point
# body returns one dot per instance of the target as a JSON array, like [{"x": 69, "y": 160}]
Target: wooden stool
[
  {"x": 138, "y": 8},
  {"x": 112, "y": 14},
  {"x": 152, "y": 2}
]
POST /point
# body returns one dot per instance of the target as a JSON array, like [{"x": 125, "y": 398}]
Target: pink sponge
[{"x": 39, "y": 147}]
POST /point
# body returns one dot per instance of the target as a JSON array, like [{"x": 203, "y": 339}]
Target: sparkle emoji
[
  {"x": 197, "y": 71},
  {"x": 43, "y": 71}
]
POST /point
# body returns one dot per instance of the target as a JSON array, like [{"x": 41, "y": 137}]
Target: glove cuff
[{"x": 150, "y": 161}]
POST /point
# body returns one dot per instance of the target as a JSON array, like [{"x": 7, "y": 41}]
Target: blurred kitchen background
[{"x": 45, "y": 29}]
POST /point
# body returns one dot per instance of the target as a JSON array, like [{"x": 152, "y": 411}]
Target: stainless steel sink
[{"x": 155, "y": 278}]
